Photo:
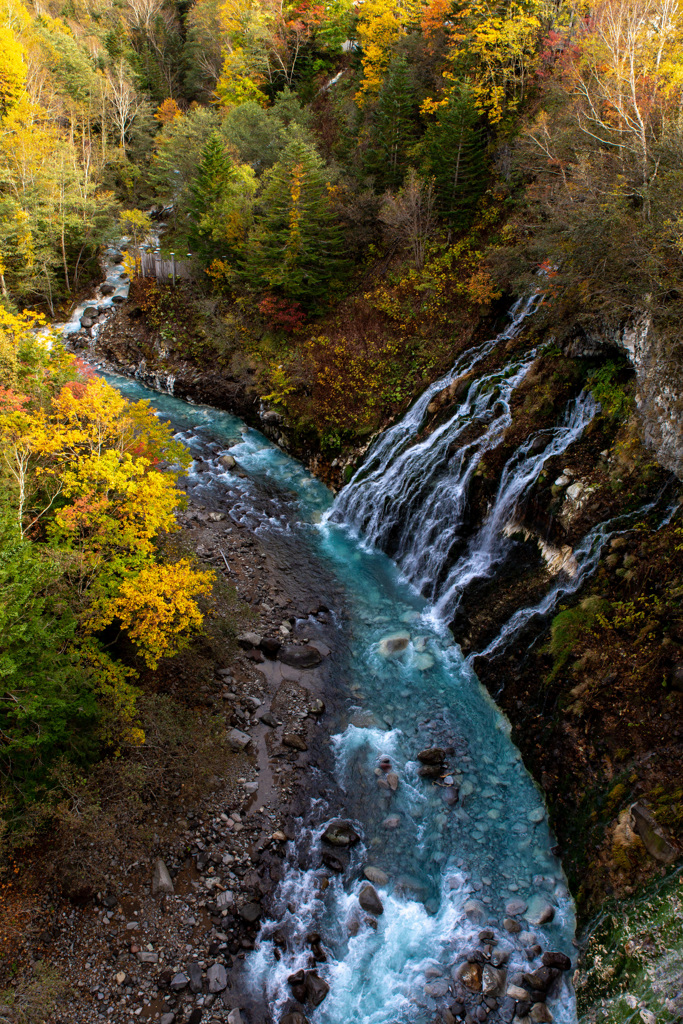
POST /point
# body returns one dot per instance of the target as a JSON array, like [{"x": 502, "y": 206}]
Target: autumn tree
[
  {"x": 381, "y": 24},
  {"x": 88, "y": 562},
  {"x": 496, "y": 47},
  {"x": 408, "y": 215},
  {"x": 12, "y": 69},
  {"x": 626, "y": 78}
]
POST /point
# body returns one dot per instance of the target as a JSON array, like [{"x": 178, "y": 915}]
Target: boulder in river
[
  {"x": 389, "y": 646},
  {"x": 512, "y": 926},
  {"x": 217, "y": 978},
  {"x": 270, "y": 646},
  {"x": 514, "y": 907},
  {"x": 250, "y": 912},
  {"x": 294, "y": 742},
  {"x": 293, "y": 1018},
  {"x": 432, "y": 756},
  {"x": 543, "y": 979},
  {"x": 540, "y": 1014},
  {"x": 540, "y": 911},
  {"x": 316, "y": 987},
  {"x": 370, "y": 901},
  {"x": 553, "y": 958},
  {"x": 297, "y": 983},
  {"x": 475, "y": 910},
  {"x": 493, "y": 981},
  {"x": 238, "y": 740},
  {"x": 375, "y": 875},
  {"x": 340, "y": 833},
  {"x": 470, "y": 976},
  {"x": 249, "y": 640},
  {"x": 299, "y": 657}
]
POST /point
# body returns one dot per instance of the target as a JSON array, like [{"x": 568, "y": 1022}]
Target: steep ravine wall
[{"x": 658, "y": 368}]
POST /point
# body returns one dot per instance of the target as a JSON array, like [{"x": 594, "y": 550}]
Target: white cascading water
[
  {"x": 409, "y": 499},
  {"x": 401, "y": 482},
  {"x": 488, "y": 546}
]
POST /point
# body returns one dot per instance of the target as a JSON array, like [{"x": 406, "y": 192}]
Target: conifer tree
[
  {"x": 213, "y": 176},
  {"x": 394, "y": 127},
  {"x": 295, "y": 246},
  {"x": 221, "y": 200},
  {"x": 454, "y": 155}
]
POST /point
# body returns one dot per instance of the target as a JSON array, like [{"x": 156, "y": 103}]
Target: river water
[{"x": 467, "y": 853}]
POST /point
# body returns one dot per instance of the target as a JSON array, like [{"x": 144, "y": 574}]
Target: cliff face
[
  {"x": 658, "y": 369},
  {"x": 659, "y": 398}
]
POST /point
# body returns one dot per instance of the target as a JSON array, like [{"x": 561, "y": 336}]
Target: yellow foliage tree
[
  {"x": 381, "y": 24},
  {"x": 158, "y": 609},
  {"x": 12, "y": 69},
  {"x": 496, "y": 47}
]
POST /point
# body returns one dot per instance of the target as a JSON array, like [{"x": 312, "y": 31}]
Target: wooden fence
[{"x": 152, "y": 264}]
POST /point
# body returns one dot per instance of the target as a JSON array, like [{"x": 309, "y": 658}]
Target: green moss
[
  {"x": 633, "y": 957},
  {"x": 567, "y": 628}
]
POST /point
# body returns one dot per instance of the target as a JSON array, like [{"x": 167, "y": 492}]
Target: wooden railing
[{"x": 152, "y": 264}]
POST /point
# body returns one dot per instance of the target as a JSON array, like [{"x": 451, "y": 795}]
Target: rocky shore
[{"x": 164, "y": 937}]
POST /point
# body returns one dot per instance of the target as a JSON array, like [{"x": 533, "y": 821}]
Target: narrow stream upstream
[{"x": 470, "y": 852}]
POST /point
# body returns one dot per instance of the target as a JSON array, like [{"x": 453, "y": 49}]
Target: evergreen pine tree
[
  {"x": 295, "y": 246},
  {"x": 210, "y": 186},
  {"x": 454, "y": 155},
  {"x": 394, "y": 127}
]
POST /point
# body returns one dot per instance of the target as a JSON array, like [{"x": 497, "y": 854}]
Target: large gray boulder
[
  {"x": 161, "y": 879},
  {"x": 217, "y": 978}
]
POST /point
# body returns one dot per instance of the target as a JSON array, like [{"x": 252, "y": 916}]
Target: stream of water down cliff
[{"x": 454, "y": 866}]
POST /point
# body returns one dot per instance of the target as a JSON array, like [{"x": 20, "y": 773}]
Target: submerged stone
[
  {"x": 389, "y": 646},
  {"x": 340, "y": 833},
  {"x": 299, "y": 657}
]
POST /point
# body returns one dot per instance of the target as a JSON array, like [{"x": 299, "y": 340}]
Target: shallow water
[{"x": 489, "y": 846}]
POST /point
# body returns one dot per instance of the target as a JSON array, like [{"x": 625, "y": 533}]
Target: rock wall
[{"x": 659, "y": 374}]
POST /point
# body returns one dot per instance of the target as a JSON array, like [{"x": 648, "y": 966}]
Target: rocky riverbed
[{"x": 162, "y": 939}]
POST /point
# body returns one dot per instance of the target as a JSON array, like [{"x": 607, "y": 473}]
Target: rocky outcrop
[
  {"x": 659, "y": 373},
  {"x": 659, "y": 376}
]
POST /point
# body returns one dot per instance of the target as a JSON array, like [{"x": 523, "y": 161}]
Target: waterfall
[
  {"x": 586, "y": 557},
  {"x": 410, "y": 497},
  {"x": 410, "y": 492},
  {"x": 489, "y": 545}
]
